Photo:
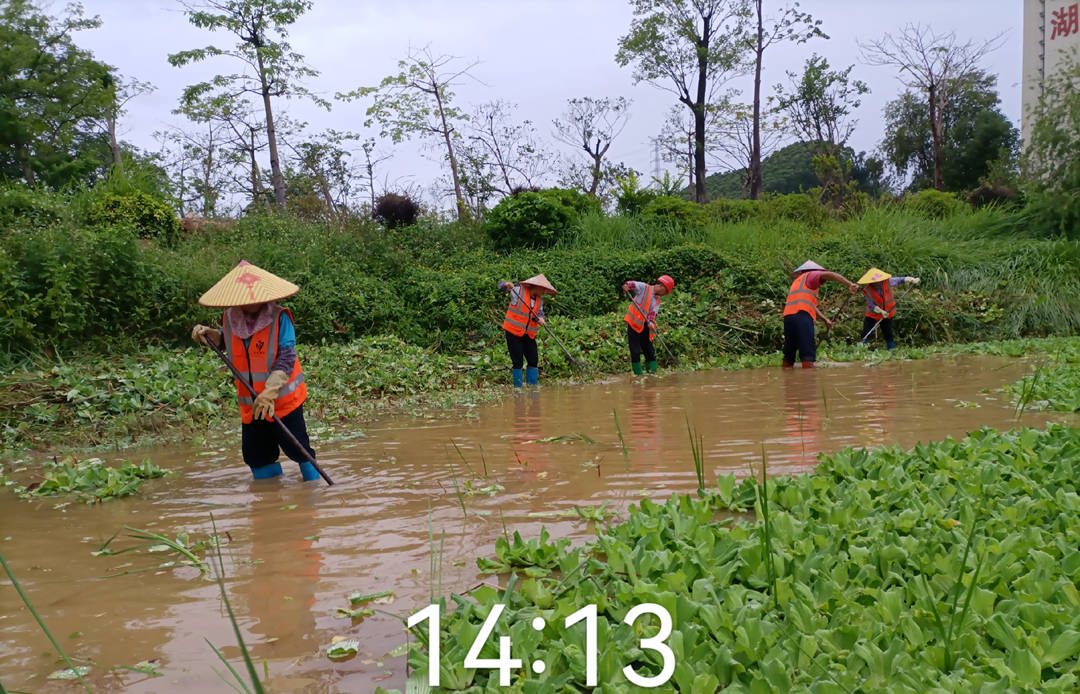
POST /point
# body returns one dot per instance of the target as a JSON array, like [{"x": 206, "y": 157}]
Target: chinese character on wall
[{"x": 1065, "y": 21}]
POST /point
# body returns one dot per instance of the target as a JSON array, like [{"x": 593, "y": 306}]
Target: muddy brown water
[{"x": 294, "y": 552}]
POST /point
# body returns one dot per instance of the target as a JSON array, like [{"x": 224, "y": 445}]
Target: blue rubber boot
[
  {"x": 266, "y": 472},
  {"x": 308, "y": 472},
  {"x": 890, "y": 345},
  {"x": 532, "y": 375},
  {"x": 517, "y": 377}
]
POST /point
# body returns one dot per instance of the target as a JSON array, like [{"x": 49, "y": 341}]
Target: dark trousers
[
  {"x": 799, "y": 337},
  {"x": 885, "y": 330},
  {"x": 640, "y": 344},
  {"x": 262, "y": 441},
  {"x": 522, "y": 349}
]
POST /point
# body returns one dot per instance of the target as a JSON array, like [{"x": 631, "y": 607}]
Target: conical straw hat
[
  {"x": 540, "y": 281},
  {"x": 808, "y": 265},
  {"x": 874, "y": 275},
  {"x": 247, "y": 284}
]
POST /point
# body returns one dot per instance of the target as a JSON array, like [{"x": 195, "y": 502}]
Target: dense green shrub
[
  {"x": 633, "y": 202},
  {"x": 728, "y": 211},
  {"x": 536, "y": 219},
  {"x": 149, "y": 217},
  {"x": 796, "y": 207},
  {"x": 668, "y": 209},
  {"x": 22, "y": 207},
  {"x": 934, "y": 204}
]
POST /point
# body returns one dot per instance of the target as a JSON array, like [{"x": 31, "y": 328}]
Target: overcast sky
[{"x": 533, "y": 53}]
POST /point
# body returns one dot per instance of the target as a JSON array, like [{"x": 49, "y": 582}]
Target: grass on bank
[{"x": 946, "y": 568}]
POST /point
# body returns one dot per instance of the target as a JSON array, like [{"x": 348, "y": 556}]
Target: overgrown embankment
[{"x": 94, "y": 322}]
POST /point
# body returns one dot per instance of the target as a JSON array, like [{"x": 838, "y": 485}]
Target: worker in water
[
  {"x": 641, "y": 320},
  {"x": 801, "y": 310},
  {"x": 881, "y": 303},
  {"x": 260, "y": 340},
  {"x": 524, "y": 318}
]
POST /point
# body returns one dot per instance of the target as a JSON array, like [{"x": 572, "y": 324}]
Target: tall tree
[
  {"x": 819, "y": 103},
  {"x": 591, "y": 125},
  {"x": 790, "y": 25},
  {"x": 930, "y": 64},
  {"x": 418, "y": 101},
  {"x": 690, "y": 48},
  {"x": 974, "y": 133},
  {"x": 271, "y": 68},
  {"x": 52, "y": 95}
]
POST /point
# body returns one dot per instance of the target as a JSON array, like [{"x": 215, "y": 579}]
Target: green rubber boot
[
  {"x": 636, "y": 366},
  {"x": 651, "y": 367}
]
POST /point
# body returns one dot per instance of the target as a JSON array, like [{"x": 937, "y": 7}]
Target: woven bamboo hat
[
  {"x": 247, "y": 284},
  {"x": 807, "y": 266},
  {"x": 540, "y": 281},
  {"x": 873, "y": 275}
]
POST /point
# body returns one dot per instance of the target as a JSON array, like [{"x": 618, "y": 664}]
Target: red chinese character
[
  {"x": 1066, "y": 21},
  {"x": 250, "y": 280}
]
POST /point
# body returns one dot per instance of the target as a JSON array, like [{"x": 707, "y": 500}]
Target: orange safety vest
[
  {"x": 634, "y": 317},
  {"x": 255, "y": 360},
  {"x": 884, "y": 299},
  {"x": 801, "y": 298},
  {"x": 519, "y": 320}
]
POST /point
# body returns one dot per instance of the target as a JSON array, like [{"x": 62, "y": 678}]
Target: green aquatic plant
[
  {"x": 90, "y": 480},
  {"x": 697, "y": 449},
  {"x": 951, "y": 565},
  {"x": 536, "y": 557},
  {"x": 256, "y": 685},
  {"x": 182, "y": 546}
]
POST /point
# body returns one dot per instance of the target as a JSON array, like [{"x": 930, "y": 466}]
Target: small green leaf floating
[
  {"x": 343, "y": 649},
  {"x": 70, "y": 673},
  {"x": 380, "y": 597}
]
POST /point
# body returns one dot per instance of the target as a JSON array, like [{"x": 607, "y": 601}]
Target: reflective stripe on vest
[
  {"x": 634, "y": 317},
  {"x": 518, "y": 320},
  {"x": 883, "y": 299},
  {"x": 255, "y": 360},
  {"x": 801, "y": 298}
]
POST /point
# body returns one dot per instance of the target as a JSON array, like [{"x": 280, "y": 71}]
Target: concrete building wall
[{"x": 1051, "y": 34}]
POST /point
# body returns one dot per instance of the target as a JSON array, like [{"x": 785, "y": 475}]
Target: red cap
[{"x": 668, "y": 283}]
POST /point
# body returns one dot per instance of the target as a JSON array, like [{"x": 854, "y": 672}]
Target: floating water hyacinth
[{"x": 345, "y": 648}]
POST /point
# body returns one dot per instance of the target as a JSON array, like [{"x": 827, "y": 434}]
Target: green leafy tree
[
  {"x": 974, "y": 134},
  {"x": 270, "y": 68},
  {"x": 690, "y": 48},
  {"x": 789, "y": 25},
  {"x": 52, "y": 96},
  {"x": 418, "y": 101},
  {"x": 819, "y": 104},
  {"x": 1051, "y": 166},
  {"x": 933, "y": 66}
]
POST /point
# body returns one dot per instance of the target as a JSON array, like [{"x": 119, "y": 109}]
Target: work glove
[
  {"x": 264, "y": 401},
  {"x": 505, "y": 286},
  {"x": 540, "y": 321},
  {"x": 213, "y": 334},
  {"x": 878, "y": 309},
  {"x": 628, "y": 286},
  {"x": 914, "y": 280}
]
